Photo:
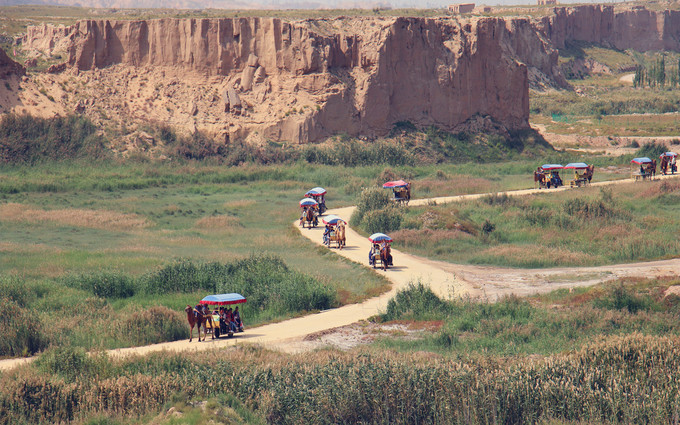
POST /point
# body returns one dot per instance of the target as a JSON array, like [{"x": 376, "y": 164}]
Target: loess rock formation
[
  {"x": 267, "y": 79},
  {"x": 306, "y": 80}
]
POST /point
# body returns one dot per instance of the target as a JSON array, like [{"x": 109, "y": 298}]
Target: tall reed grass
[{"x": 621, "y": 379}]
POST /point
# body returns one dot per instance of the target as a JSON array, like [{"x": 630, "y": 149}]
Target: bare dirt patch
[{"x": 363, "y": 333}]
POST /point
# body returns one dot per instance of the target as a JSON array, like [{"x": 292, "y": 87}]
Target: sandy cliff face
[
  {"x": 638, "y": 29},
  {"x": 8, "y": 67},
  {"x": 306, "y": 80}
]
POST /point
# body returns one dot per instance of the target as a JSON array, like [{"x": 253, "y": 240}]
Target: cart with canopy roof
[
  {"x": 583, "y": 173},
  {"x": 668, "y": 162},
  {"x": 548, "y": 175},
  {"x": 337, "y": 231},
  {"x": 642, "y": 168},
  {"x": 309, "y": 216},
  {"x": 319, "y": 195},
  {"x": 222, "y": 300},
  {"x": 401, "y": 191},
  {"x": 380, "y": 254}
]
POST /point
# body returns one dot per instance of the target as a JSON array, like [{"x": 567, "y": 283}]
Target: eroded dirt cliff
[
  {"x": 633, "y": 28},
  {"x": 302, "y": 81},
  {"x": 267, "y": 79}
]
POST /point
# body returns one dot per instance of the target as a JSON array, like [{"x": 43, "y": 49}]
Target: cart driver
[
  {"x": 302, "y": 215},
  {"x": 327, "y": 235}
]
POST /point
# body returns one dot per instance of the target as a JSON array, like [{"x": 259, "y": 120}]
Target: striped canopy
[
  {"x": 640, "y": 161},
  {"x": 575, "y": 166},
  {"x": 317, "y": 191},
  {"x": 551, "y": 167},
  {"x": 396, "y": 183},
  {"x": 308, "y": 202},
  {"x": 332, "y": 220},
  {"x": 379, "y": 237},
  {"x": 224, "y": 299}
]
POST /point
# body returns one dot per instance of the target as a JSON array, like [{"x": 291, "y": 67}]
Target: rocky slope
[
  {"x": 8, "y": 67},
  {"x": 306, "y": 80}
]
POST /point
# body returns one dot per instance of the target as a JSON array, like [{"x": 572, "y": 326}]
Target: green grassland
[
  {"x": 557, "y": 322},
  {"x": 601, "y": 355},
  {"x": 580, "y": 227},
  {"x": 119, "y": 224},
  {"x": 602, "y": 104}
]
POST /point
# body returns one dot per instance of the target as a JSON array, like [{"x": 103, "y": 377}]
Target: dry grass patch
[
  {"x": 185, "y": 241},
  {"x": 531, "y": 255},
  {"x": 96, "y": 219},
  {"x": 15, "y": 247},
  {"x": 244, "y": 203},
  {"x": 218, "y": 222},
  {"x": 426, "y": 237},
  {"x": 659, "y": 188},
  {"x": 456, "y": 183},
  {"x": 619, "y": 231}
]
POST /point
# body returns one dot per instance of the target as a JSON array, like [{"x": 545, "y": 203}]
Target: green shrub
[
  {"x": 22, "y": 331},
  {"x": 269, "y": 285},
  {"x": 272, "y": 288},
  {"x": 157, "y": 324},
  {"x": 622, "y": 298},
  {"x": 28, "y": 139},
  {"x": 183, "y": 276},
  {"x": 373, "y": 198},
  {"x": 70, "y": 363},
  {"x": 416, "y": 301},
  {"x": 352, "y": 153},
  {"x": 103, "y": 284},
  {"x": 589, "y": 209},
  {"x": 383, "y": 220},
  {"x": 651, "y": 150}
]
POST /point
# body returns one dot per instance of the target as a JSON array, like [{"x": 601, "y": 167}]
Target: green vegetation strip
[{"x": 106, "y": 310}]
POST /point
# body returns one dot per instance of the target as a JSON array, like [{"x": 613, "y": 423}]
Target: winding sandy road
[{"x": 445, "y": 279}]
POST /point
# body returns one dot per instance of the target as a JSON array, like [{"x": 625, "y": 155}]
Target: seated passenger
[
  {"x": 237, "y": 320},
  {"x": 230, "y": 320}
]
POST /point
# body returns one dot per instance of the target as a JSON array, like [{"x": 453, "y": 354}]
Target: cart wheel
[{"x": 217, "y": 332}]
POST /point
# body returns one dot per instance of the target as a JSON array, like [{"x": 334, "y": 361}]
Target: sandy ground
[
  {"x": 628, "y": 78},
  {"x": 445, "y": 279}
]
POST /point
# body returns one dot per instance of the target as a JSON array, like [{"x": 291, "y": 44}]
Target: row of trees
[{"x": 657, "y": 75}]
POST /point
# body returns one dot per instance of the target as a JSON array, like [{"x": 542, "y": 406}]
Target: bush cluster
[
  {"x": 28, "y": 139},
  {"x": 375, "y": 212},
  {"x": 352, "y": 153},
  {"x": 22, "y": 332}
]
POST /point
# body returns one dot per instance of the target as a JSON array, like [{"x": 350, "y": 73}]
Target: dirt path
[{"x": 445, "y": 279}]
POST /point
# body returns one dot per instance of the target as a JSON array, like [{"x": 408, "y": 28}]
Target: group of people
[
  {"x": 586, "y": 175},
  {"x": 327, "y": 234},
  {"x": 547, "y": 178},
  {"x": 322, "y": 203},
  {"x": 228, "y": 319},
  {"x": 403, "y": 193}
]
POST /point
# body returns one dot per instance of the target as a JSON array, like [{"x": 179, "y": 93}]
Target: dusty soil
[{"x": 344, "y": 327}]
